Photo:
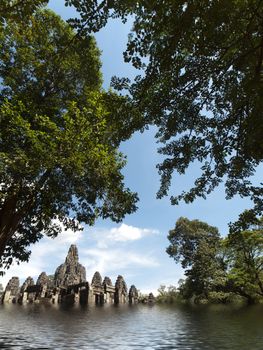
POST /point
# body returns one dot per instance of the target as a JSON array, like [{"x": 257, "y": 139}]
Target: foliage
[
  {"x": 201, "y": 86},
  {"x": 167, "y": 295},
  {"x": 59, "y": 133},
  {"x": 142, "y": 297},
  {"x": 195, "y": 244},
  {"x": 245, "y": 255},
  {"x": 217, "y": 270},
  {"x": 40, "y": 68},
  {"x": 18, "y": 10}
]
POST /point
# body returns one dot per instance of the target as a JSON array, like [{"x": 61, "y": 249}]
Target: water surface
[{"x": 135, "y": 327}]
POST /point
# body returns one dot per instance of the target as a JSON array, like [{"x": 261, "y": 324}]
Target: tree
[
  {"x": 59, "y": 135},
  {"x": 167, "y": 294},
  {"x": 245, "y": 259},
  {"x": 195, "y": 245},
  {"x": 19, "y": 10},
  {"x": 216, "y": 269},
  {"x": 201, "y": 86}
]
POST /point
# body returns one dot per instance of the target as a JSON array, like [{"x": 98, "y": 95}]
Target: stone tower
[
  {"x": 12, "y": 290},
  {"x": 71, "y": 272},
  {"x": 96, "y": 295},
  {"x": 133, "y": 295},
  {"x": 28, "y": 283},
  {"x": 109, "y": 290},
  {"x": 120, "y": 296},
  {"x": 42, "y": 279}
]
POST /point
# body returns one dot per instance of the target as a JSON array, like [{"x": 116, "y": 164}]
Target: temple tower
[{"x": 120, "y": 296}]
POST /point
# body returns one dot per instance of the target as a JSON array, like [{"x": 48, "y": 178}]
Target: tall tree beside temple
[{"x": 59, "y": 135}]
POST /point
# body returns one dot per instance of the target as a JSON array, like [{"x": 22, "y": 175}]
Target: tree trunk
[
  {"x": 7, "y": 221},
  {"x": 10, "y": 218},
  {"x": 8, "y": 226},
  {"x": 18, "y": 203},
  {"x": 250, "y": 299}
]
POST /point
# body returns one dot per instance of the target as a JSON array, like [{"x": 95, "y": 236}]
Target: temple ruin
[{"x": 68, "y": 285}]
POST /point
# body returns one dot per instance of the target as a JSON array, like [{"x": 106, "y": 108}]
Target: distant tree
[
  {"x": 59, "y": 135},
  {"x": 245, "y": 254},
  {"x": 216, "y": 269},
  {"x": 142, "y": 297},
  {"x": 201, "y": 85},
  {"x": 167, "y": 295},
  {"x": 195, "y": 245}
]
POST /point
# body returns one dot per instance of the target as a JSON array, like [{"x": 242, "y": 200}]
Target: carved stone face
[{"x": 71, "y": 272}]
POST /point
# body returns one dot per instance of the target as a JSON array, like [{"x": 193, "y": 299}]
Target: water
[{"x": 136, "y": 327}]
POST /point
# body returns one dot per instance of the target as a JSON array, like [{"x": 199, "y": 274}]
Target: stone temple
[{"x": 69, "y": 285}]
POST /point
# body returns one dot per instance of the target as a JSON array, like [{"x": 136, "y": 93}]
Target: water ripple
[{"x": 130, "y": 328}]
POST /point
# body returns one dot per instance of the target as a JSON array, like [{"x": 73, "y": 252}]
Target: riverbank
[{"x": 171, "y": 296}]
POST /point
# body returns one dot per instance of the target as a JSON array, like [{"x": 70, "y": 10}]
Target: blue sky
[{"x": 135, "y": 248}]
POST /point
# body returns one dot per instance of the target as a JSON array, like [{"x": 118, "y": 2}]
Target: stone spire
[
  {"x": 133, "y": 292},
  {"x": 96, "y": 280},
  {"x": 107, "y": 281},
  {"x": 13, "y": 286},
  {"x": 42, "y": 279},
  {"x": 71, "y": 272},
  {"x": 133, "y": 295},
  {"x": 12, "y": 289},
  {"x": 120, "y": 290},
  {"x": 73, "y": 255},
  {"x": 28, "y": 283},
  {"x": 120, "y": 285}
]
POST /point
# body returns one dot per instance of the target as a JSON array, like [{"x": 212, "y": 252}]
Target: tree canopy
[
  {"x": 218, "y": 269},
  {"x": 59, "y": 134},
  {"x": 201, "y": 85},
  {"x": 245, "y": 260},
  {"x": 19, "y": 10},
  {"x": 195, "y": 244}
]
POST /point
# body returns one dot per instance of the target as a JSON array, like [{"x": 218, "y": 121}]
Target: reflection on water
[{"x": 136, "y": 327}]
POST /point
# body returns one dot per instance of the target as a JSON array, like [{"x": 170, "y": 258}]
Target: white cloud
[
  {"x": 129, "y": 233},
  {"x": 123, "y": 233},
  {"x": 67, "y": 236},
  {"x": 114, "y": 261}
]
